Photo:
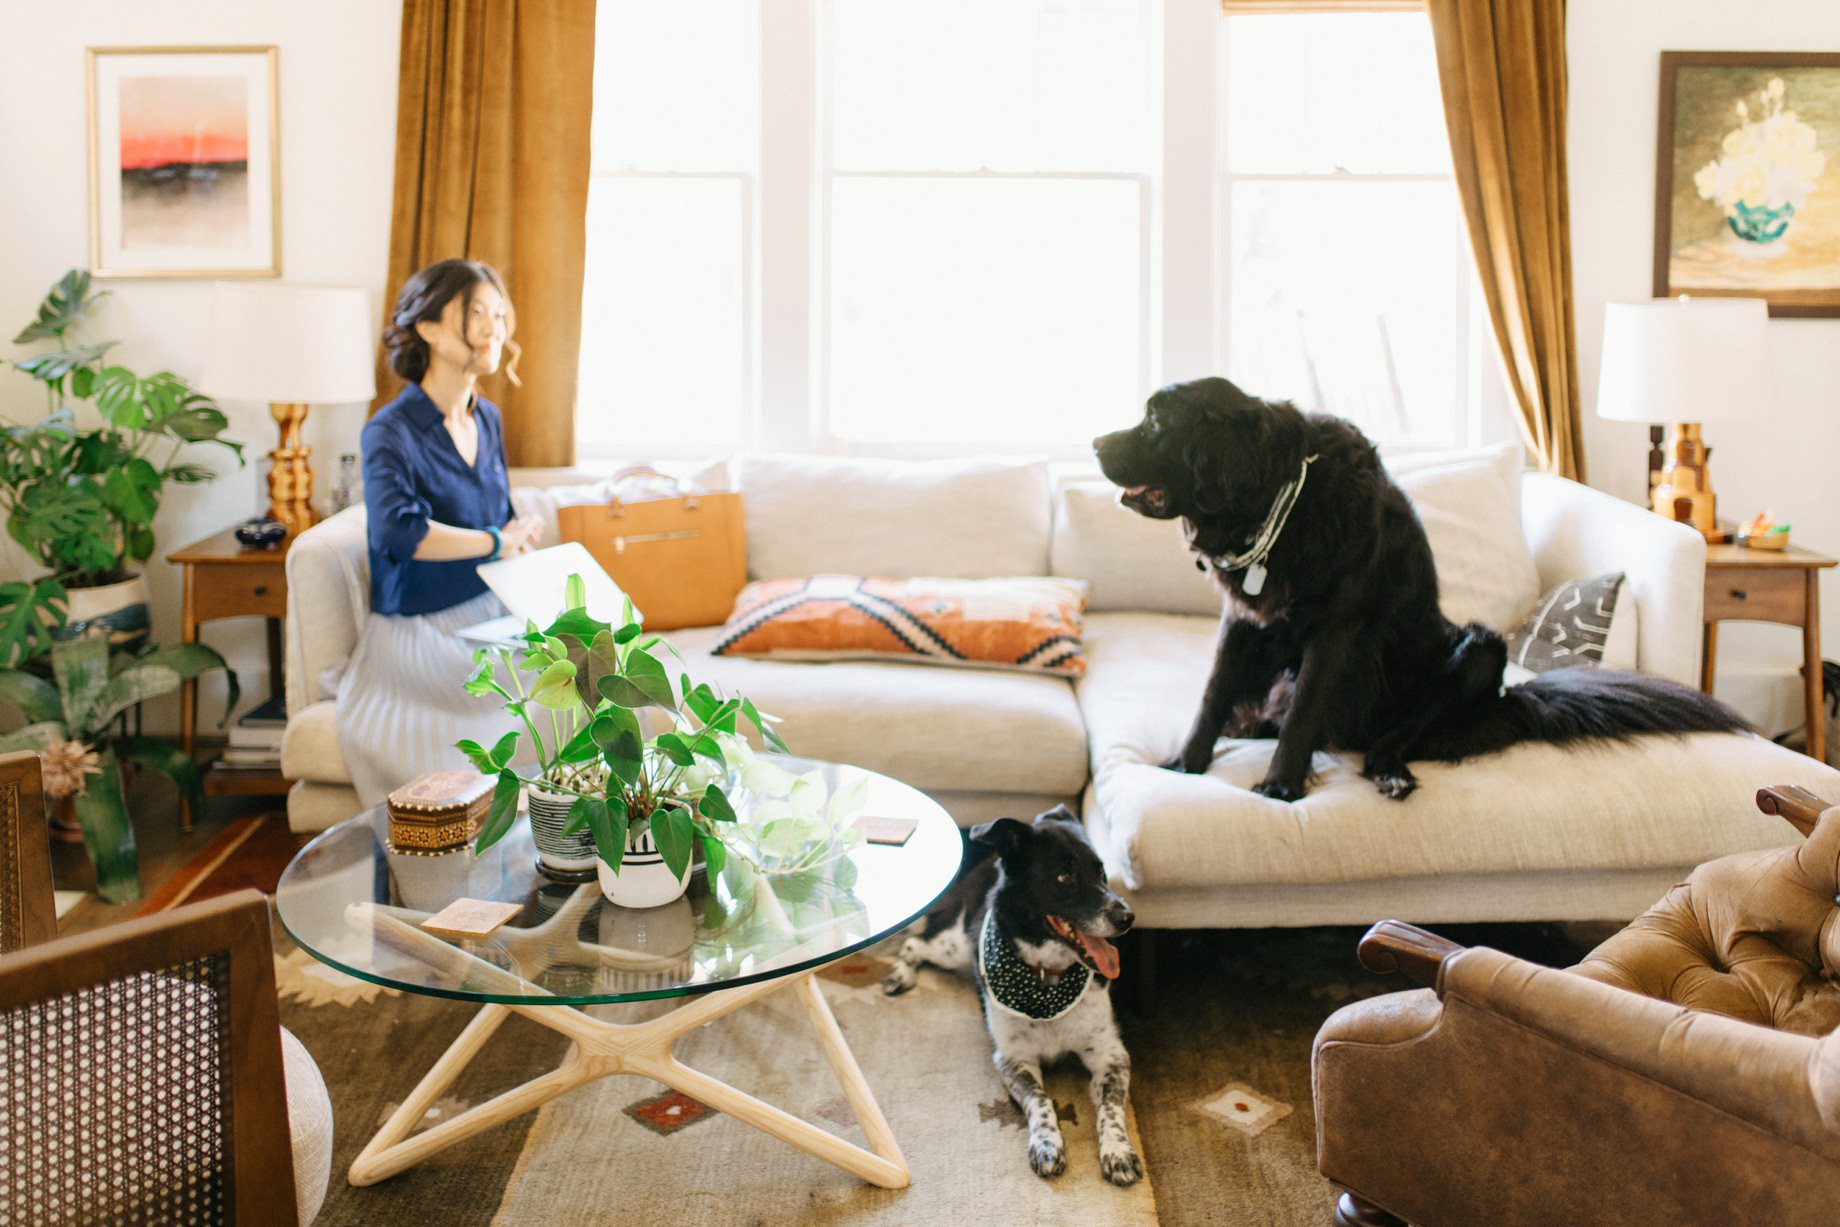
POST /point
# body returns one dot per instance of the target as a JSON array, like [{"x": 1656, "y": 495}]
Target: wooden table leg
[
  {"x": 188, "y": 691},
  {"x": 1811, "y": 670},
  {"x": 1708, "y": 656}
]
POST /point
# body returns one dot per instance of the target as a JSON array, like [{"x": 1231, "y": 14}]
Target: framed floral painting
[
  {"x": 1747, "y": 193},
  {"x": 183, "y": 164}
]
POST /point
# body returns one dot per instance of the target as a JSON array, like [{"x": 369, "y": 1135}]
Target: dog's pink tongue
[{"x": 1103, "y": 954}]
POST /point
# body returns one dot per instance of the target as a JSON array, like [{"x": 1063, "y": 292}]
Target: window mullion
[{"x": 788, "y": 66}]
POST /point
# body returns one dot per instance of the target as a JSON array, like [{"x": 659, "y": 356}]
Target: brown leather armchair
[{"x": 1685, "y": 1072}]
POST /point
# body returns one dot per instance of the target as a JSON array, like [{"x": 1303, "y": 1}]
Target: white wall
[
  {"x": 1786, "y": 465},
  {"x": 337, "y": 67}
]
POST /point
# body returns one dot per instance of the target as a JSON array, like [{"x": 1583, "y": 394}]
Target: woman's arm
[{"x": 445, "y": 543}]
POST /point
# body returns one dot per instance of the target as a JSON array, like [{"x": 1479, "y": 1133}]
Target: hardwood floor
[{"x": 164, "y": 850}]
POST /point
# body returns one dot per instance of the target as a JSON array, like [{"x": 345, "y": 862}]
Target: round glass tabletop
[{"x": 355, "y": 903}]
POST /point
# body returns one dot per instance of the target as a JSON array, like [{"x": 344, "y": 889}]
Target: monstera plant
[
  {"x": 69, "y": 725},
  {"x": 81, "y": 500}
]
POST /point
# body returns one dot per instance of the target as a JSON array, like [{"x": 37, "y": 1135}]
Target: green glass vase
[{"x": 108, "y": 833}]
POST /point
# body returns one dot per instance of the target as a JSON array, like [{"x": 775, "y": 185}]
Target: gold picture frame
[
  {"x": 184, "y": 161},
  {"x": 1747, "y": 196}
]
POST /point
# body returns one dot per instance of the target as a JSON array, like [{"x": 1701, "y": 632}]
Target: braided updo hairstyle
[{"x": 424, "y": 297}]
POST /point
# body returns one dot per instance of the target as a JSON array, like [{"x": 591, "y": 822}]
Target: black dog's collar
[
  {"x": 1020, "y": 988},
  {"x": 1252, "y": 559}
]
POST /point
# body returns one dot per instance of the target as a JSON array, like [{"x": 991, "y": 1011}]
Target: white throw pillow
[
  {"x": 1485, "y": 571},
  {"x": 968, "y": 519},
  {"x": 1131, "y": 562}
]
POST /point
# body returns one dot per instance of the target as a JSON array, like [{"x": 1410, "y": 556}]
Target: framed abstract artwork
[
  {"x": 1747, "y": 192},
  {"x": 184, "y": 162}
]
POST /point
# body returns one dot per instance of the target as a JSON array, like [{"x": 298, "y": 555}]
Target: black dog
[
  {"x": 1034, "y": 925},
  {"x": 1331, "y": 635}
]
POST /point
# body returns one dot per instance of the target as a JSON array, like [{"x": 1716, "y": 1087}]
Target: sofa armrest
[
  {"x": 329, "y": 598},
  {"x": 1770, "y": 1078},
  {"x": 1575, "y": 532}
]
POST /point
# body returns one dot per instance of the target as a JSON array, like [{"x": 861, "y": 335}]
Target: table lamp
[
  {"x": 1686, "y": 361},
  {"x": 292, "y": 346}
]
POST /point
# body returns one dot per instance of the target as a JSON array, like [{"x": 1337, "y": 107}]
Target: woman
[{"x": 438, "y": 500}]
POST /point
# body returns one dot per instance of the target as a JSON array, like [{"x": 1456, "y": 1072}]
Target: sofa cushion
[
  {"x": 1485, "y": 571},
  {"x": 969, "y": 729},
  {"x": 974, "y": 519},
  {"x": 1533, "y": 807},
  {"x": 1576, "y": 623},
  {"x": 1129, "y": 561},
  {"x": 1031, "y": 622}
]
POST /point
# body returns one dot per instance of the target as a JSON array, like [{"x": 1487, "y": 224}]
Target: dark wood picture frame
[{"x": 1697, "y": 255}]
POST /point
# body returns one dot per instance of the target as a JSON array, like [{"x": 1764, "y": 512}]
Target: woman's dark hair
[{"x": 424, "y": 297}]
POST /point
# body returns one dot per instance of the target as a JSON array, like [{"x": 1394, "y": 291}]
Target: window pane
[
  {"x": 983, "y": 312},
  {"x": 1318, "y": 93},
  {"x": 676, "y": 85},
  {"x": 1004, "y": 84},
  {"x": 1345, "y": 297},
  {"x": 662, "y": 316}
]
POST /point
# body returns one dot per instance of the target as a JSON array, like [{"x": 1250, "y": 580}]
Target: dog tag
[{"x": 1254, "y": 583}]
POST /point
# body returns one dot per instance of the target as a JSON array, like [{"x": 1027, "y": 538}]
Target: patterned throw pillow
[
  {"x": 1569, "y": 627},
  {"x": 1027, "y": 623}
]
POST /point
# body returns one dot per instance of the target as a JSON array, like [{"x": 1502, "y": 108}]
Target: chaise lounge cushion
[
  {"x": 1534, "y": 807},
  {"x": 936, "y": 729}
]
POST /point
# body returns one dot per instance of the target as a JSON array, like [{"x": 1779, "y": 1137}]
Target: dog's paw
[
  {"x": 898, "y": 979},
  {"x": 1186, "y": 763},
  {"x": 1279, "y": 790},
  {"x": 1121, "y": 1166},
  {"x": 1048, "y": 1158},
  {"x": 1396, "y": 782}
]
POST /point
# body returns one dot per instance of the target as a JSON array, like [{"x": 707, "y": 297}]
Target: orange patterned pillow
[{"x": 1008, "y": 623}]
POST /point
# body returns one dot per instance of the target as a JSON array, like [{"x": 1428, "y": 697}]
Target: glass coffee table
[{"x": 355, "y": 903}]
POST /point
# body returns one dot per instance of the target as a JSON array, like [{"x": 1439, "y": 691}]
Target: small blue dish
[{"x": 261, "y": 533}]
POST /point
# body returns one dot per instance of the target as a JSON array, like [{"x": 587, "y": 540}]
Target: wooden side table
[
  {"x": 223, "y": 579},
  {"x": 1744, "y": 585}
]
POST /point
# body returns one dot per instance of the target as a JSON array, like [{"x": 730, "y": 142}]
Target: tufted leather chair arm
[{"x": 1754, "y": 936}]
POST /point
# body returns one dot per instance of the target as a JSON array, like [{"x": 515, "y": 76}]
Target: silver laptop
[{"x": 534, "y": 588}]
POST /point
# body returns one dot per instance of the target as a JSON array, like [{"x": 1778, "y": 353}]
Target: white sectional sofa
[{"x": 1533, "y": 833}]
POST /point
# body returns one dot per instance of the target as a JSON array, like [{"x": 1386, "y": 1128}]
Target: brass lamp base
[
  {"x": 290, "y": 477},
  {"x": 1684, "y": 491}
]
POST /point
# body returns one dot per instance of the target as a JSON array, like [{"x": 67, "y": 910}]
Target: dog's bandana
[
  {"x": 1018, "y": 987},
  {"x": 1252, "y": 559}
]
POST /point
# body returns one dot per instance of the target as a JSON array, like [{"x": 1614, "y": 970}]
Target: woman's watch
[{"x": 498, "y": 542}]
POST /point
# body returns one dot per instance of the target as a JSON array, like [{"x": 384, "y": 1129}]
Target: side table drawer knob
[
  {"x": 262, "y": 590},
  {"x": 1737, "y": 594}
]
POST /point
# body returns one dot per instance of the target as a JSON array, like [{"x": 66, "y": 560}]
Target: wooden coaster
[
  {"x": 890, "y": 831},
  {"x": 471, "y": 918}
]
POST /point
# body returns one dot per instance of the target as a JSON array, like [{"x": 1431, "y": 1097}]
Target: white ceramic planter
[
  {"x": 119, "y": 610},
  {"x": 644, "y": 879},
  {"x": 569, "y": 856}
]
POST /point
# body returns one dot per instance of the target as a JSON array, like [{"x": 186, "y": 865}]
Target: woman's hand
[{"x": 521, "y": 535}]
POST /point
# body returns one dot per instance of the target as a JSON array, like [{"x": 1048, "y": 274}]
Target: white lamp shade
[
  {"x": 1687, "y": 360},
  {"x": 290, "y": 344}
]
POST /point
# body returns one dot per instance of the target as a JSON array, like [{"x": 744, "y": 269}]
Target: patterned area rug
[
  {"x": 1220, "y": 1096},
  {"x": 618, "y": 1150},
  {"x": 248, "y": 852}
]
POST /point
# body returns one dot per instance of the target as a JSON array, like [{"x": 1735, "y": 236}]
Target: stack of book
[{"x": 255, "y": 738}]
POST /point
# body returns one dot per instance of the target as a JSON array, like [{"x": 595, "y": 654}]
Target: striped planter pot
[
  {"x": 569, "y": 858},
  {"x": 644, "y": 879}
]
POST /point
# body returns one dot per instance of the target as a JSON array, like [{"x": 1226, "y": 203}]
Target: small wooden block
[
  {"x": 467, "y": 918},
  {"x": 891, "y": 831}
]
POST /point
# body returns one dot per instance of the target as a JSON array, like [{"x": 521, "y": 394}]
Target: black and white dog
[{"x": 1033, "y": 924}]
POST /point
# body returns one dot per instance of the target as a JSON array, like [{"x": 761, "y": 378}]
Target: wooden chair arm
[
  {"x": 1394, "y": 945},
  {"x": 1794, "y": 803}
]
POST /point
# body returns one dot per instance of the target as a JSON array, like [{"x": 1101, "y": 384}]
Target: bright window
[
  {"x": 1346, "y": 284},
  {"x": 948, "y": 226}
]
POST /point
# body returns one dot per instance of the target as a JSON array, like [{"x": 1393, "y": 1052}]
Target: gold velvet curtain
[
  {"x": 494, "y": 100},
  {"x": 1502, "y": 67}
]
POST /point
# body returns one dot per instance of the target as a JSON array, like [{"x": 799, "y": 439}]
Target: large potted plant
[
  {"x": 645, "y": 798},
  {"x": 82, "y": 500},
  {"x": 68, "y": 724}
]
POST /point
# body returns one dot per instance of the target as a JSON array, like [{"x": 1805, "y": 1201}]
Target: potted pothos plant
[
  {"x": 584, "y": 692},
  {"x": 82, "y": 500},
  {"x": 69, "y": 721}
]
